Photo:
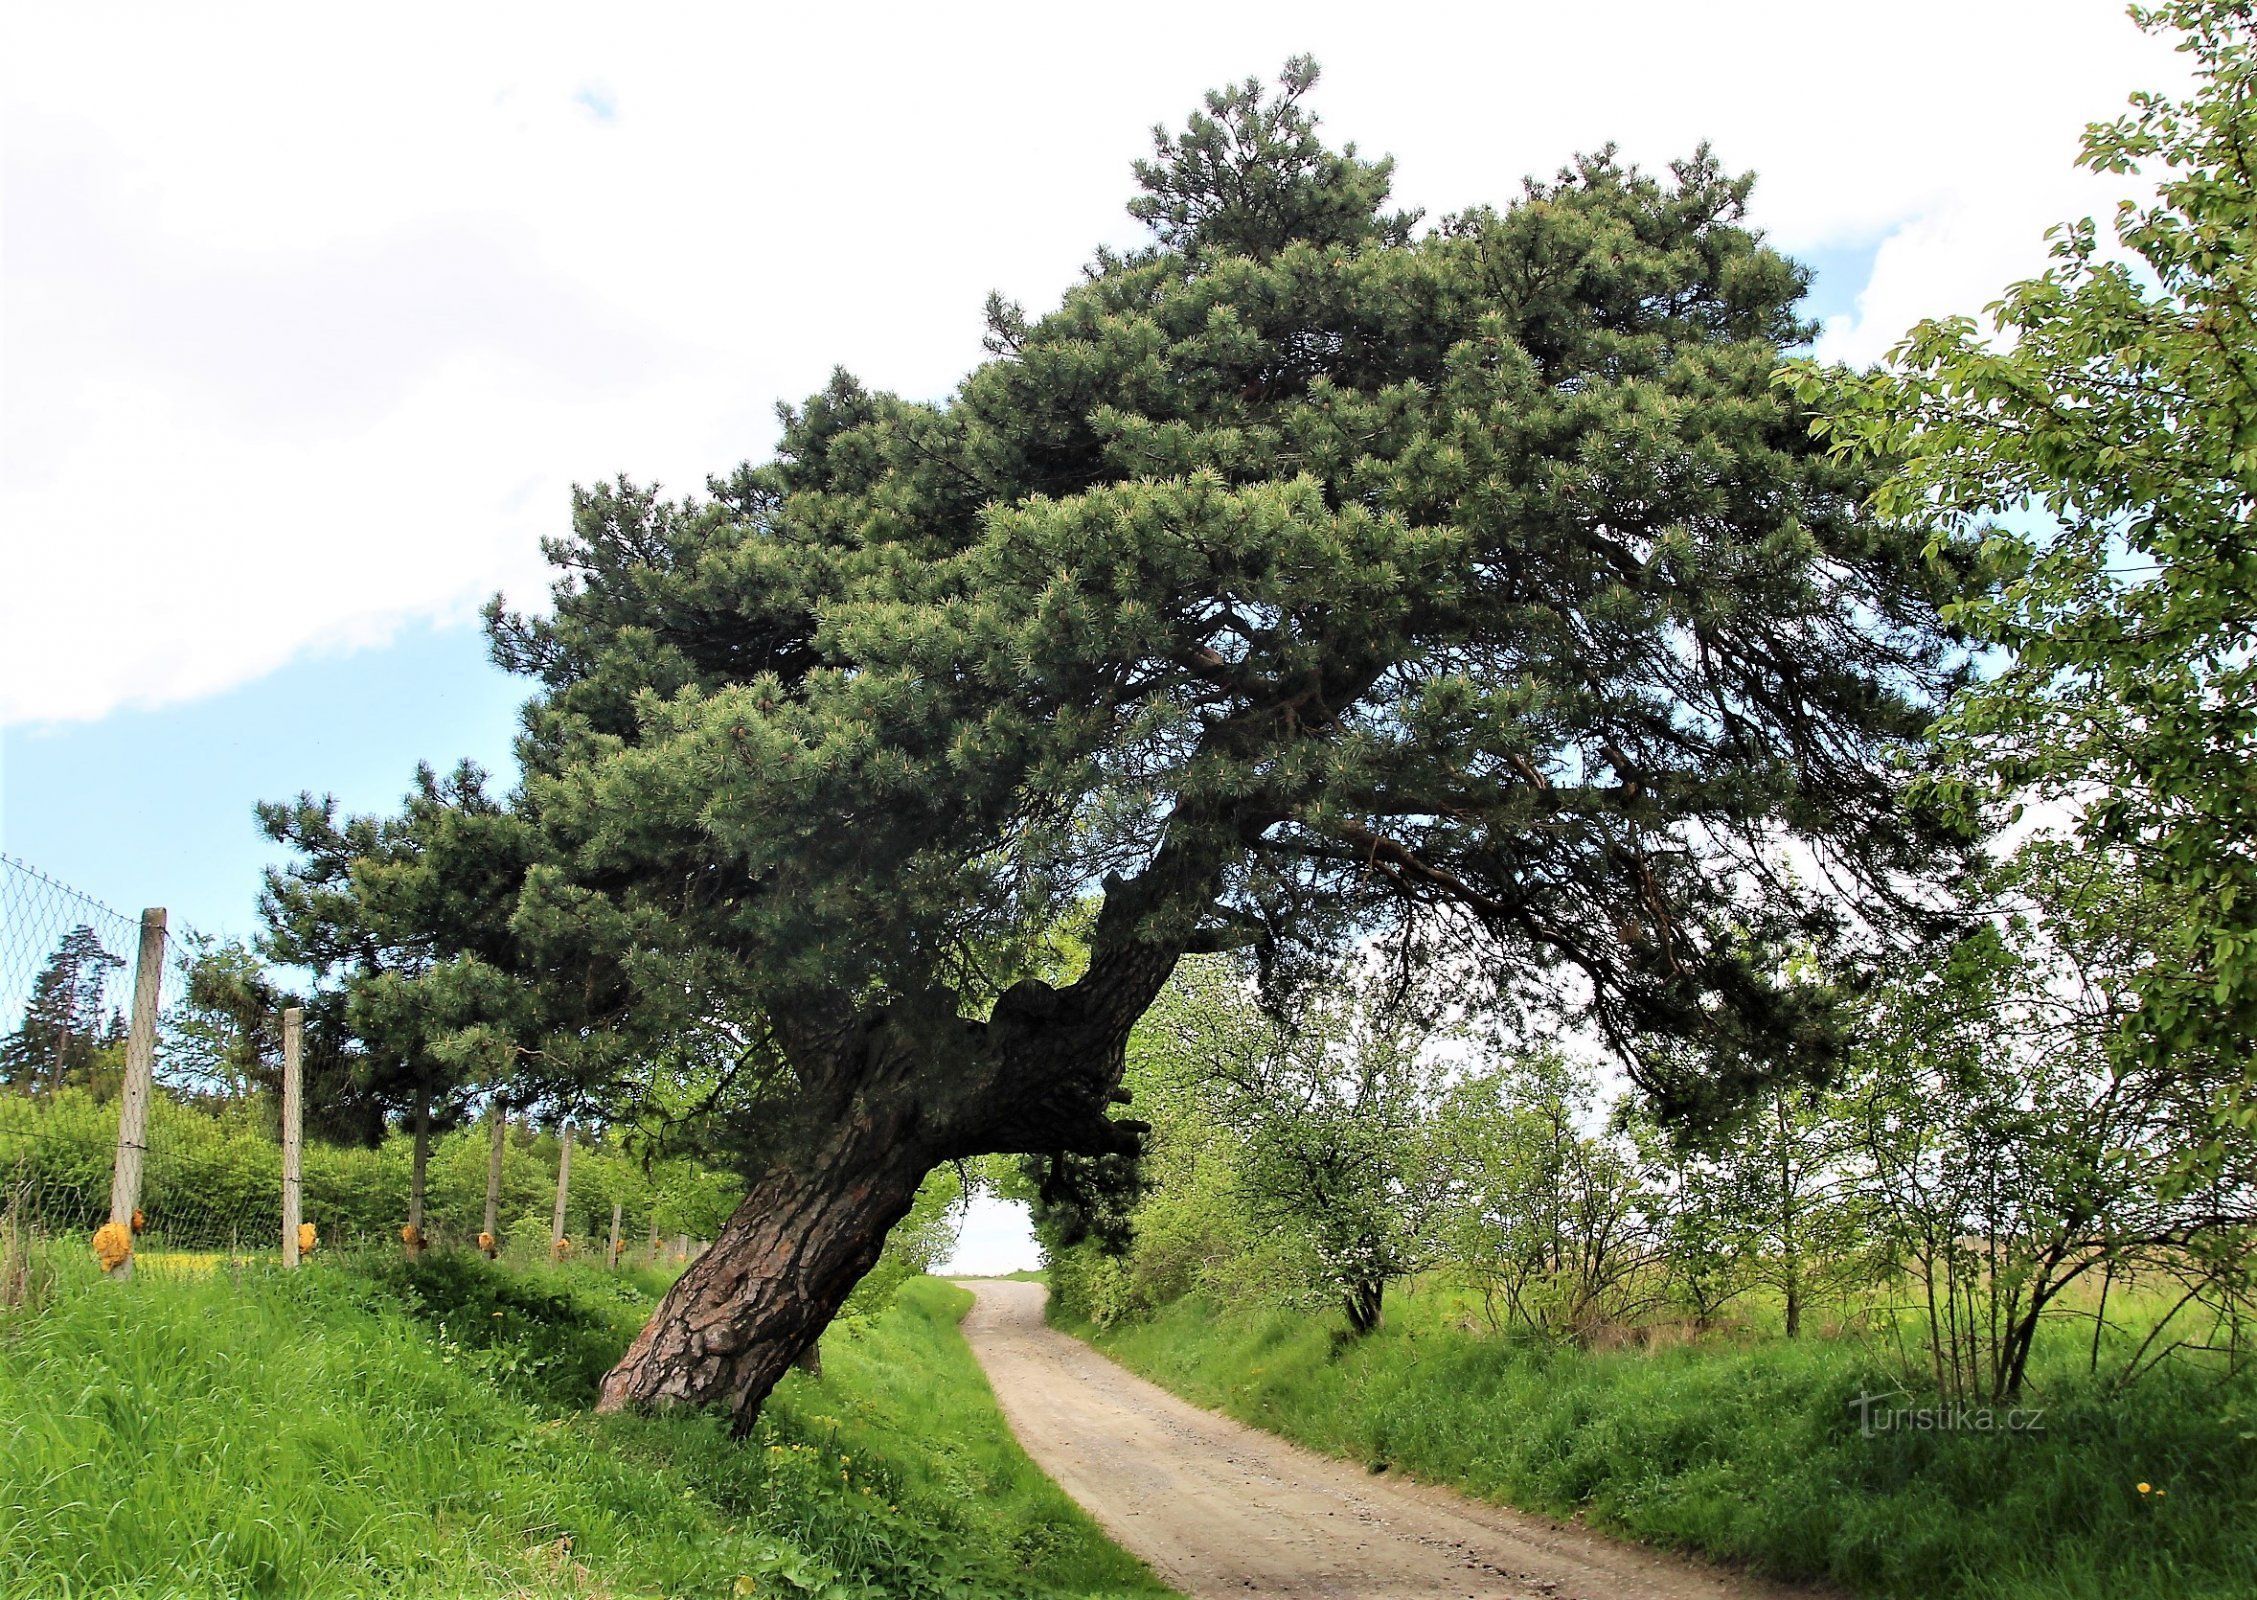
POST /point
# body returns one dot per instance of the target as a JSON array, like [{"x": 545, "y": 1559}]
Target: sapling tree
[
  {"x": 1550, "y": 1217},
  {"x": 1307, "y": 576},
  {"x": 1339, "y": 1136},
  {"x": 2019, "y": 1143},
  {"x": 1692, "y": 1199},
  {"x": 1772, "y": 1199}
]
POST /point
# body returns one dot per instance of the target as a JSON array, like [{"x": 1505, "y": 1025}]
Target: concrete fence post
[
  {"x": 140, "y": 1079},
  {"x": 491, "y": 1232},
  {"x": 293, "y": 1129},
  {"x": 563, "y": 1191}
]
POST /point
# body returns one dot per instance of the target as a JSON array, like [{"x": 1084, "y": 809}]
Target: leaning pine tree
[{"x": 1307, "y": 576}]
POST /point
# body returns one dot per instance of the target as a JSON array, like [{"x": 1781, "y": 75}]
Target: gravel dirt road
[{"x": 1218, "y": 1508}]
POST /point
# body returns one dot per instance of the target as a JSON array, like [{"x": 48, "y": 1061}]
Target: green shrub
[{"x": 213, "y": 1179}]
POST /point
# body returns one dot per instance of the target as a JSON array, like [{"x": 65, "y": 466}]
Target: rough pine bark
[
  {"x": 776, "y": 1274},
  {"x": 890, "y": 1096}
]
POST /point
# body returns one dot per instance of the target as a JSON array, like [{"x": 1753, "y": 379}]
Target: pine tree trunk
[
  {"x": 888, "y": 1095},
  {"x": 760, "y": 1296}
]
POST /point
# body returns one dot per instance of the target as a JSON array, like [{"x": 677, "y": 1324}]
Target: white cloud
[
  {"x": 1961, "y": 248},
  {"x": 311, "y": 316}
]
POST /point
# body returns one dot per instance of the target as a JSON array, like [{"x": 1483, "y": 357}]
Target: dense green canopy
[
  {"x": 1307, "y": 576},
  {"x": 1304, "y": 573}
]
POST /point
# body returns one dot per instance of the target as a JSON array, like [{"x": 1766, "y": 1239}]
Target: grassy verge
[
  {"x": 907, "y": 1396},
  {"x": 375, "y": 1429},
  {"x": 1752, "y": 1453}
]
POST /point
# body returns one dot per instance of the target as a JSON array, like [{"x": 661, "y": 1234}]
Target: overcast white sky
[{"x": 312, "y": 314}]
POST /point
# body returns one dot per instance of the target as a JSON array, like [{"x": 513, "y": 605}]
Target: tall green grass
[
  {"x": 361, "y": 1429},
  {"x": 909, "y": 1402},
  {"x": 1751, "y": 1452}
]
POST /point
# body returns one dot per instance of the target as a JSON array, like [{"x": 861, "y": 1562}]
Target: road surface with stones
[{"x": 1217, "y": 1508}]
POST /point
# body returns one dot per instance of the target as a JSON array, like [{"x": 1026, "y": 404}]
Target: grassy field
[
  {"x": 372, "y": 1428},
  {"x": 1750, "y": 1451}
]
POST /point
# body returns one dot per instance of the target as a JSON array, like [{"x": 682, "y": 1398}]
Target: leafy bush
[{"x": 213, "y": 1178}]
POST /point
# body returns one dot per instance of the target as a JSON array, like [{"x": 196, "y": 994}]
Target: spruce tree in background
[
  {"x": 1305, "y": 577},
  {"x": 65, "y": 1031}
]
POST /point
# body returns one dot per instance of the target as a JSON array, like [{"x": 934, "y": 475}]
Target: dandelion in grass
[
  {"x": 2146, "y": 1488},
  {"x": 112, "y": 1244}
]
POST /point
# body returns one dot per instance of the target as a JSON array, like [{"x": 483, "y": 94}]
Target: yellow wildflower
[
  {"x": 112, "y": 1244},
  {"x": 2146, "y": 1489}
]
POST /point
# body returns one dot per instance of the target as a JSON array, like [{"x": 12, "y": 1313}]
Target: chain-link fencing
[{"x": 206, "y": 1148}]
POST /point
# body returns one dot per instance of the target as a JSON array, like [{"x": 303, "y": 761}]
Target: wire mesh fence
[
  {"x": 210, "y": 1148},
  {"x": 84, "y": 988},
  {"x": 65, "y": 975},
  {"x": 70, "y": 981}
]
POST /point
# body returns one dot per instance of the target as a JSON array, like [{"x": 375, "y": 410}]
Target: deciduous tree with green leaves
[
  {"x": 1339, "y": 1137},
  {"x": 1550, "y": 1218},
  {"x": 222, "y": 1042},
  {"x": 2109, "y": 417}
]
